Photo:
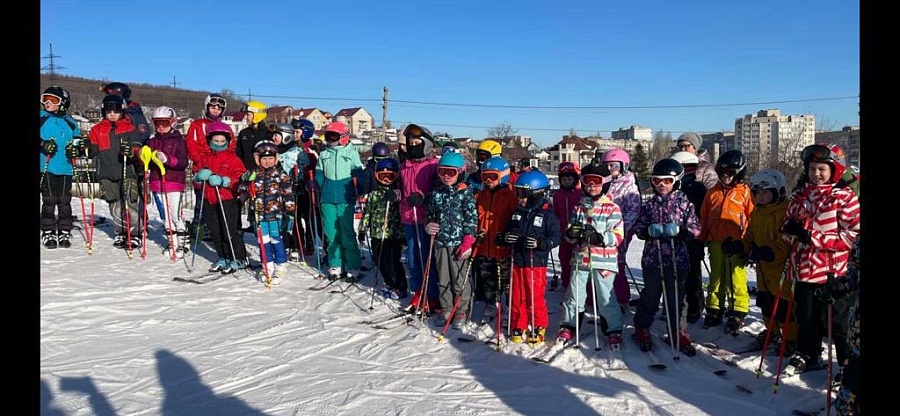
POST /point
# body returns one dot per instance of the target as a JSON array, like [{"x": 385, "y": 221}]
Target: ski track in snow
[{"x": 119, "y": 337}]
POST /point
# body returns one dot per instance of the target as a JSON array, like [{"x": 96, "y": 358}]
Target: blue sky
[{"x": 544, "y": 67}]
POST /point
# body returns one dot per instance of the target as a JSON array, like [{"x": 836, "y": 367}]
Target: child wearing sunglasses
[
  {"x": 169, "y": 147},
  {"x": 381, "y": 220},
  {"x": 667, "y": 222}
]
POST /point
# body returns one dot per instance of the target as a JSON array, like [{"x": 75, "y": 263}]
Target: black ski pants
[
  {"x": 387, "y": 257},
  {"x": 226, "y": 230},
  {"x": 56, "y": 198},
  {"x": 812, "y": 320}
]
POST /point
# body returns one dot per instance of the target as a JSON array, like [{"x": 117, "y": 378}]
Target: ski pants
[
  {"x": 387, "y": 253},
  {"x": 602, "y": 283},
  {"x": 343, "y": 250},
  {"x": 224, "y": 223},
  {"x": 653, "y": 293},
  {"x": 170, "y": 209},
  {"x": 56, "y": 198},
  {"x": 160, "y": 206},
  {"x": 271, "y": 240},
  {"x": 693, "y": 283},
  {"x": 528, "y": 307},
  {"x": 113, "y": 193},
  {"x": 198, "y": 202},
  {"x": 453, "y": 280},
  {"x": 812, "y": 320},
  {"x": 565, "y": 258},
  {"x": 487, "y": 273},
  {"x": 416, "y": 240},
  {"x": 727, "y": 281},
  {"x": 623, "y": 291},
  {"x": 770, "y": 283}
]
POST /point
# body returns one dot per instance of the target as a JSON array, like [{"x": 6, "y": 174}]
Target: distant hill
[{"x": 86, "y": 95}]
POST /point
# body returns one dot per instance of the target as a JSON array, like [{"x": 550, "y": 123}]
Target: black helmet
[
  {"x": 60, "y": 93},
  {"x": 112, "y": 102},
  {"x": 670, "y": 168},
  {"x": 380, "y": 150},
  {"x": 595, "y": 169},
  {"x": 117, "y": 88},
  {"x": 732, "y": 160},
  {"x": 266, "y": 148}
]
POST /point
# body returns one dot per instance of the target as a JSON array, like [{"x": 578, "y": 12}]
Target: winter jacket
[
  {"x": 453, "y": 208},
  {"x": 373, "y": 219},
  {"x": 366, "y": 182},
  {"x": 725, "y": 212},
  {"x": 197, "y": 145},
  {"x": 106, "y": 138},
  {"x": 706, "y": 170},
  {"x": 831, "y": 214},
  {"x": 335, "y": 170},
  {"x": 764, "y": 230},
  {"x": 606, "y": 217},
  {"x": 495, "y": 208},
  {"x": 289, "y": 159},
  {"x": 661, "y": 209},
  {"x": 564, "y": 203},
  {"x": 416, "y": 176},
  {"x": 537, "y": 220},
  {"x": 175, "y": 148},
  {"x": 224, "y": 163},
  {"x": 624, "y": 192},
  {"x": 247, "y": 139},
  {"x": 135, "y": 113},
  {"x": 62, "y": 129},
  {"x": 473, "y": 181},
  {"x": 274, "y": 195},
  {"x": 694, "y": 190}
]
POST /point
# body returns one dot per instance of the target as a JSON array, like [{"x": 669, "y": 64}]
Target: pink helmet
[
  {"x": 339, "y": 129},
  {"x": 617, "y": 155}
]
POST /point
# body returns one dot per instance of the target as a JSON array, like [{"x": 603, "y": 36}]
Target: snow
[{"x": 119, "y": 337}]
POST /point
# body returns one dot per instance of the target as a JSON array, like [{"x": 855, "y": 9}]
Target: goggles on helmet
[
  {"x": 591, "y": 180},
  {"x": 51, "y": 99},
  {"x": 492, "y": 176},
  {"x": 667, "y": 180},
  {"x": 112, "y": 107},
  {"x": 816, "y": 153},
  {"x": 162, "y": 122},
  {"x": 566, "y": 167},
  {"x": 447, "y": 172},
  {"x": 726, "y": 172},
  {"x": 216, "y": 101},
  {"x": 385, "y": 177}
]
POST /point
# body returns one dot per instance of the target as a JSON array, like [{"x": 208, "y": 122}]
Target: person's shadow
[{"x": 185, "y": 393}]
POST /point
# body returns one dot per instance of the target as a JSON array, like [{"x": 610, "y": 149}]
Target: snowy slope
[{"x": 119, "y": 337}]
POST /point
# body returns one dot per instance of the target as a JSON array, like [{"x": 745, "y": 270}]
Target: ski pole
[
  {"x": 225, "y": 221},
  {"x": 81, "y": 190},
  {"x": 509, "y": 296},
  {"x": 44, "y": 171},
  {"x": 772, "y": 319},
  {"x": 315, "y": 226},
  {"x": 418, "y": 297},
  {"x": 165, "y": 194},
  {"x": 145, "y": 156},
  {"x": 678, "y": 304},
  {"x": 594, "y": 302},
  {"x": 197, "y": 233},
  {"x": 828, "y": 374},
  {"x": 297, "y": 221},
  {"x": 90, "y": 239},
  {"x": 662, "y": 279},
  {"x": 127, "y": 210},
  {"x": 259, "y": 237},
  {"x": 499, "y": 303},
  {"x": 787, "y": 322},
  {"x": 532, "y": 326},
  {"x": 377, "y": 259},
  {"x": 467, "y": 266},
  {"x": 423, "y": 291}
]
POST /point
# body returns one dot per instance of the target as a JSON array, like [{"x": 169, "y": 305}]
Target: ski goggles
[
  {"x": 50, "y": 99},
  {"x": 524, "y": 192},
  {"x": 591, "y": 180},
  {"x": 447, "y": 172},
  {"x": 666, "y": 180},
  {"x": 385, "y": 177},
  {"x": 162, "y": 122},
  {"x": 816, "y": 153},
  {"x": 491, "y": 176},
  {"x": 218, "y": 102},
  {"x": 727, "y": 172},
  {"x": 566, "y": 167},
  {"x": 113, "y": 108}
]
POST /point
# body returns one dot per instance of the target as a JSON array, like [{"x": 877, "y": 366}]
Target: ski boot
[
  {"x": 685, "y": 345},
  {"x": 334, "y": 273},
  {"x": 218, "y": 266},
  {"x": 119, "y": 241},
  {"x": 643, "y": 338},
  {"x": 734, "y": 324},
  {"x": 517, "y": 336},
  {"x": 64, "y": 239},
  {"x": 536, "y": 336},
  {"x": 234, "y": 265},
  {"x": 713, "y": 318},
  {"x": 48, "y": 238},
  {"x": 459, "y": 320},
  {"x": 615, "y": 341}
]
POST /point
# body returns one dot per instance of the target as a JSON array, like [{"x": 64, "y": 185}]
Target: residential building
[
  {"x": 847, "y": 138},
  {"x": 571, "y": 149},
  {"x": 316, "y": 116},
  {"x": 357, "y": 118},
  {"x": 633, "y": 133},
  {"x": 279, "y": 114},
  {"x": 769, "y": 138}
]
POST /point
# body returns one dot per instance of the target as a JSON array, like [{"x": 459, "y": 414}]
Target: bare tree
[
  {"x": 787, "y": 158},
  {"x": 503, "y": 131},
  {"x": 662, "y": 146}
]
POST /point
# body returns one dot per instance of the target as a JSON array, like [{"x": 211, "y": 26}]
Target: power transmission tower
[
  {"x": 53, "y": 67},
  {"x": 174, "y": 84}
]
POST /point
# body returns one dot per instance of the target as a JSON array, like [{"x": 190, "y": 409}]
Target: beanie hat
[{"x": 691, "y": 137}]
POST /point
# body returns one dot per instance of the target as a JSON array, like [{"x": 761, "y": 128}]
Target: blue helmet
[
  {"x": 390, "y": 164},
  {"x": 380, "y": 150},
  {"x": 532, "y": 185},
  {"x": 308, "y": 128},
  {"x": 499, "y": 165},
  {"x": 454, "y": 160}
]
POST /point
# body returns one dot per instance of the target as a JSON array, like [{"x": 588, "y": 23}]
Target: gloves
[
  {"x": 48, "y": 147},
  {"x": 834, "y": 288},
  {"x": 732, "y": 247},
  {"x": 161, "y": 156},
  {"x": 671, "y": 229},
  {"x": 432, "y": 228},
  {"x": 226, "y": 182},
  {"x": 684, "y": 234},
  {"x": 795, "y": 228},
  {"x": 479, "y": 236},
  {"x": 215, "y": 180},
  {"x": 248, "y": 176},
  {"x": 465, "y": 248},
  {"x": 392, "y": 195},
  {"x": 127, "y": 150},
  {"x": 574, "y": 232},
  {"x": 415, "y": 199},
  {"x": 511, "y": 237},
  {"x": 655, "y": 230},
  {"x": 361, "y": 236},
  {"x": 592, "y": 237},
  {"x": 202, "y": 175},
  {"x": 532, "y": 242},
  {"x": 761, "y": 253},
  {"x": 72, "y": 151}
]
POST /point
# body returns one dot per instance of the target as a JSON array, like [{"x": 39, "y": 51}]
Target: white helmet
[
  {"x": 685, "y": 158},
  {"x": 769, "y": 179},
  {"x": 163, "y": 112}
]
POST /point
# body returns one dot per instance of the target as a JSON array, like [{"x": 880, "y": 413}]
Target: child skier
[
  {"x": 381, "y": 220},
  {"x": 723, "y": 219},
  {"x": 695, "y": 192},
  {"x": 169, "y": 147},
  {"x": 496, "y": 203},
  {"x": 289, "y": 162},
  {"x": 338, "y": 164},
  {"x": 221, "y": 171},
  {"x": 565, "y": 199},
  {"x": 532, "y": 232},
  {"x": 452, "y": 221},
  {"x": 270, "y": 192},
  {"x": 57, "y": 130},
  {"x": 666, "y": 222},
  {"x": 596, "y": 229},
  {"x": 623, "y": 191}
]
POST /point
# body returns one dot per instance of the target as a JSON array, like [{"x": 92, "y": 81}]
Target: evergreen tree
[{"x": 640, "y": 163}]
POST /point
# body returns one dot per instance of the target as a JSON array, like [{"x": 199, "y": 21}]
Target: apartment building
[
  {"x": 847, "y": 138},
  {"x": 768, "y": 137}
]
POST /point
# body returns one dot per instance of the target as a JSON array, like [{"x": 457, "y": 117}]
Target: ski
[
  {"x": 393, "y": 323},
  {"x": 791, "y": 371},
  {"x": 720, "y": 354},
  {"x": 549, "y": 352},
  {"x": 381, "y": 319},
  {"x": 320, "y": 288},
  {"x": 611, "y": 359},
  {"x": 203, "y": 278}
]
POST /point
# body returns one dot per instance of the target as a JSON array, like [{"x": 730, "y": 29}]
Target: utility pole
[
  {"x": 249, "y": 95},
  {"x": 53, "y": 67},
  {"x": 174, "y": 84},
  {"x": 384, "y": 106}
]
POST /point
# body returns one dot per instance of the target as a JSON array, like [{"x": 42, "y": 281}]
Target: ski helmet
[
  {"x": 219, "y": 128},
  {"x": 421, "y": 150},
  {"x": 387, "y": 170},
  {"x": 59, "y": 95},
  {"x": 448, "y": 147},
  {"x": 486, "y": 149},
  {"x": 591, "y": 172},
  {"x": 456, "y": 161},
  {"x": 257, "y": 108},
  {"x": 117, "y": 88},
  {"x": 617, "y": 155},
  {"x": 380, "y": 150},
  {"x": 532, "y": 185},
  {"x": 497, "y": 165},
  {"x": 770, "y": 179},
  {"x": 686, "y": 158},
  {"x": 266, "y": 148},
  {"x": 112, "y": 102},
  {"x": 286, "y": 131},
  {"x": 823, "y": 154},
  {"x": 214, "y": 99},
  {"x": 415, "y": 130},
  {"x": 308, "y": 128},
  {"x": 732, "y": 160},
  {"x": 163, "y": 113},
  {"x": 668, "y": 168},
  {"x": 337, "y": 132}
]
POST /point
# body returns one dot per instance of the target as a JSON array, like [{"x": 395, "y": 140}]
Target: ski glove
[
  {"x": 732, "y": 247},
  {"x": 671, "y": 229},
  {"x": 590, "y": 236},
  {"x": 479, "y": 236},
  {"x": 684, "y": 235},
  {"x": 511, "y": 237},
  {"x": 215, "y": 180},
  {"x": 574, "y": 232},
  {"x": 226, "y": 182},
  {"x": 48, "y": 147},
  {"x": 392, "y": 195},
  {"x": 415, "y": 199},
  {"x": 464, "y": 250},
  {"x": 836, "y": 287},
  {"x": 761, "y": 253},
  {"x": 161, "y": 156},
  {"x": 72, "y": 151},
  {"x": 532, "y": 243},
  {"x": 248, "y": 176},
  {"x": 287, "y": 224},
  {"x": 126, "y": 150},
  {"x": 795, "y": 228},
  {"x": 655, "y": 230},
  {"x": 432, "y": 228},
  {"x": 202, "y": 175}
]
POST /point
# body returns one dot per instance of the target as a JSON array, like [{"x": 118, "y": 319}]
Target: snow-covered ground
[{"x": 120, "y": 337}]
